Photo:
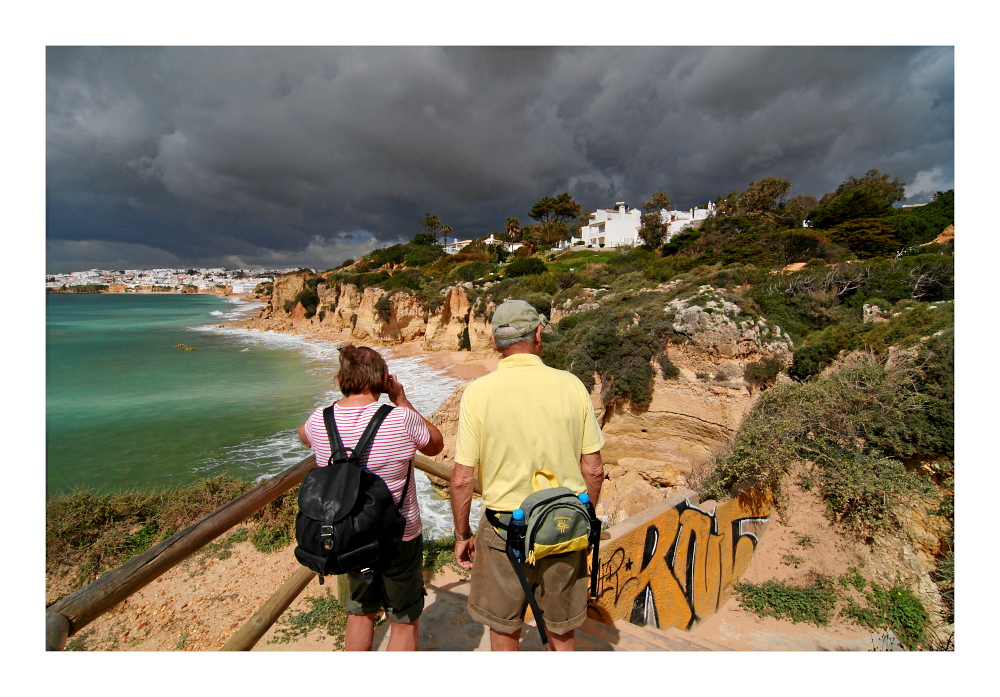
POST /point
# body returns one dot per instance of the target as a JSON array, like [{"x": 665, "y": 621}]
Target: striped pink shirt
[{"x": 397, "y": 440}]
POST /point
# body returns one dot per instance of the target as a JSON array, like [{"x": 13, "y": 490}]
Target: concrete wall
[{"x": 678, "y": 561}]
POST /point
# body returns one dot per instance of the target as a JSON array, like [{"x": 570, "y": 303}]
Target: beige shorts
[{"x": 496, "y": 599}]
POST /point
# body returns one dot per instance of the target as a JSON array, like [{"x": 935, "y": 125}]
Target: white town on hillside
[{"x": 242, "y": 281}]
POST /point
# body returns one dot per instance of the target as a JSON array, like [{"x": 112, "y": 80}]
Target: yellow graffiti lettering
[{"x": 682, "y": 565}]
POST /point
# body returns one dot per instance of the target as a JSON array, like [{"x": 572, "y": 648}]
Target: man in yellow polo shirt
[{"x": 523, "y": 417}]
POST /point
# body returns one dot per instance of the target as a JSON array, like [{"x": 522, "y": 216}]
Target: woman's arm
[{"x": 397, "y": 395}]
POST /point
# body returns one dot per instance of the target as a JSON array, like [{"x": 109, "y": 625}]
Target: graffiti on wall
[{"x": 682, "y": 565}]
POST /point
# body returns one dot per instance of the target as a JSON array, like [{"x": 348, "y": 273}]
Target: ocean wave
[{"x": 239, "y": 309}]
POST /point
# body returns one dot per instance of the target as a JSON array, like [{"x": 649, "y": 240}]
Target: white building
[
  {"x": 619, "y": 226},
  {"x": 457, "y": 246}
]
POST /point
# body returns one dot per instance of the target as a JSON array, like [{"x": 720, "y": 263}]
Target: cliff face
[
  {"x": 687, "y": 421},
  {"x": 283, "y": 294},
  {"x": 377, "y": 316}
]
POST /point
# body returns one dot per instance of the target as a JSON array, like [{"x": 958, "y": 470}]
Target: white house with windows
[{"x": 619, "y": 226}]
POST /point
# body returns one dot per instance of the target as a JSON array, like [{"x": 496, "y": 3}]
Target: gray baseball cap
[{"x": 514, "y": 318}]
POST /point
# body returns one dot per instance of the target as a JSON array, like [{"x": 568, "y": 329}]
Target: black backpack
[{"x": 348, "y": 520}]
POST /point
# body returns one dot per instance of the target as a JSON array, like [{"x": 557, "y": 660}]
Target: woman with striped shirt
[{"x": 399, "y": 589}]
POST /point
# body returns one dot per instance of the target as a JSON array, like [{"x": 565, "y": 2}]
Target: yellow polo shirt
[{"x": 525, "y": 416}]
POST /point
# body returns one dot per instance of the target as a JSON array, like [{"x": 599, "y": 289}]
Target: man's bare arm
[
  {"x": 592, "y": 469},
  {"x": 461, "y": 504}
]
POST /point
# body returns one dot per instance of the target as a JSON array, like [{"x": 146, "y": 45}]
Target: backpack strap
[
  {"x": 514, "y": 549},
  {"x": 360, "y": 450}
]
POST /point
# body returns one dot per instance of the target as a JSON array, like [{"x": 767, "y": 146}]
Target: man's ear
[{"x": 493, "y": 341}]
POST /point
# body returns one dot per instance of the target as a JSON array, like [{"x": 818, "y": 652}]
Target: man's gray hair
[{"x": 504, "y": 344}]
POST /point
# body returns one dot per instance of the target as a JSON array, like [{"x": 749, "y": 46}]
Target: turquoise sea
[{"x": 127, "y": 408}]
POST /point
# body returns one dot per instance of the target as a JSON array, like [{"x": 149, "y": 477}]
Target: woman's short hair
[{"x": 362, "y": 370}]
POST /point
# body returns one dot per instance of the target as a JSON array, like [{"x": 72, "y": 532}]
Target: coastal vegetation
[{"x": 88, "y": 534}]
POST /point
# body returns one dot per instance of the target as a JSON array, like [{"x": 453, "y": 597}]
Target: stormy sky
[{"x": 282, "y": 157}]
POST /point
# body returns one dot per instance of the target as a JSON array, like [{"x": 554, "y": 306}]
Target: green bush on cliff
[
  {"x": 617, "y": 341},
  {"x": 910, "y": 323},
  {"x": 308, "y": 297},
  {"x": 857, "y": 425}
]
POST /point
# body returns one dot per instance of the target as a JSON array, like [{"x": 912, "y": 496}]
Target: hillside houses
[
  {"x": 457, "y": 246},
  {"x": 619, "y": 226}
]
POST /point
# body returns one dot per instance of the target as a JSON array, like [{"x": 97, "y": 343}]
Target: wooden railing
[{"x": 68, "y": 616}]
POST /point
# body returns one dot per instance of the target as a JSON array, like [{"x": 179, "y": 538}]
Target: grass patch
[
  {"x": 813, "y": 604},
  {"x": 440, "y": 554},
  {"x": 88, "y": 534},
  {"x": 324, "y": 613},
  {"x": 861, "y": 602}
]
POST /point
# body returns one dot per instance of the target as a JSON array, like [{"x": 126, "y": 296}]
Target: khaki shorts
[
  {"x": 496, "y": 599},
  {"x": 399, "y": 589}
]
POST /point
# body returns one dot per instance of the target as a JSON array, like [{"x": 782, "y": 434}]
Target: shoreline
[{"x": 461, "y": 365}]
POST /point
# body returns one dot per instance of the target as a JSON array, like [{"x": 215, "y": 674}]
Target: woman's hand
[{"x": 394, "y": 390}]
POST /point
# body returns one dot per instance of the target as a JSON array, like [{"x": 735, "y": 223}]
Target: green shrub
[
  {"x": 472, "y": 270},
  {"x": 761, "y": 373},
  {"x": 667, "y": 368},
  {"x": 442, "y": 267},
  {"x": 525, "y": 266},
  {"x": 895, "y": 608},
  {"x": 813, "y": 603}
]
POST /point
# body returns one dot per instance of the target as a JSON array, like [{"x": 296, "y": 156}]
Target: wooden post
[
  {"x": 343, "y": 590},
  {"x": 56, "y": 631},
  {"x": 91, "y": 601},
  {"x": 251, "y": 632}
]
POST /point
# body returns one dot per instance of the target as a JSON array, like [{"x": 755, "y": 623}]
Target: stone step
[{"x": 446, "y": 626}]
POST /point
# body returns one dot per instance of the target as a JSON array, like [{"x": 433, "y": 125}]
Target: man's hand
[
  {"x": 461, "y": 502},
  {"x": 465, "y": 551}
]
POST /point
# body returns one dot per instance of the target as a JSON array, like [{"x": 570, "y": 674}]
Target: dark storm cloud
[{"x": 294, "y": 156}]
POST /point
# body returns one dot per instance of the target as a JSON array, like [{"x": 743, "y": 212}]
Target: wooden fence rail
[{"x": 69, "y": 615}]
